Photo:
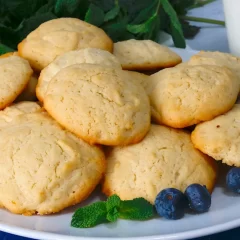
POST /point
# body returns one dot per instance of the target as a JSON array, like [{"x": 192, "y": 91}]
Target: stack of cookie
[{"x": 78, "y": 109}]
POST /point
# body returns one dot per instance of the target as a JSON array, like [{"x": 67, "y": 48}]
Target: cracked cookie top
[
  {"x": 57, "y": 36},
  {"x": 87, "y": 55},
  {"x": 165, "y": 158},
  {"x": 186, "y": 95},
  {"x": 99, "y": 104},
  {"x": 44, "y": 168}
]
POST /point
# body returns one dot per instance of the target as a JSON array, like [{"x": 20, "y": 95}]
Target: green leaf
[
  {"x": 8, "y": 37},
  {"x": 141, "y": 28},
  {"x": 48, "y": 7},
  {"x": 112, "y": 13},
  {"x": 146, "y": 13},
  {"x": 30, "y": 24},
  {"x": 113, "y": 203},
  {"x": 105, "y": 5},
  {"x": 175, "y": 26},
  {"x": 23, "y": 8},
  {"x": 90, "y": 216},
  {"x": 136, "y": 209},
  {"x": 94, "y": 15},
  {"x": 153, "y": 31},
  {"x": 5, "y": 49},
  {"x": 133, "y": 7},
  {"x": 113, "y": 215},
  {"x": 117, "y": 30}
]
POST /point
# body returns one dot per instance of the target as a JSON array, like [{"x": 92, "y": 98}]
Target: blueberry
[
  {"x": 233, "y": 180},
  {"x": 170, "y": 203},
  {"x": 198, "y": 197}
]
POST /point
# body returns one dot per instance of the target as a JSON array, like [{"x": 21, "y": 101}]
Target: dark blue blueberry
[
  {"x": 233, "y": 180},
  {"x": 170, "y": 203},
  {"x": 199, "y": 198}
]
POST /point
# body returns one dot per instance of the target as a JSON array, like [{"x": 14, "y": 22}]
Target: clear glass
[{"x": 232, "y": 19}]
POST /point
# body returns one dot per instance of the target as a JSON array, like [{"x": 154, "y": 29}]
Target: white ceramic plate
[{"x": 224, "y": 214}]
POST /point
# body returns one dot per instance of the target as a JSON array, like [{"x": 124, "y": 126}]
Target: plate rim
[
  {"x": 35, "y": 234},
  {"x": 29, "y": 233}
]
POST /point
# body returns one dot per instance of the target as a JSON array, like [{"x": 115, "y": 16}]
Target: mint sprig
[
  {"x": 121, "y": 19},
  {"x": 110, "y": 210}
]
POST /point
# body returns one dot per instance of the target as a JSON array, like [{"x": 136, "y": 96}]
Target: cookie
[
  {"x": 165, "y": 158},
  {"x": 139, "y": 78},
  {"x": 44, "y": 168},
  {"x": 99, "y": 104},
  {"x": 55, "y": 37},
  {"x": 144, "y": 55},
  {"x": 29, "y": 93},
  {"x": 186, "y": 95},
  {"x": 219, "y": 138},
  {"x": 88, "y": 55},
  {"x": 9, "y": 54},
  {"x": 217, "y": 58},
  {"x": 15, "y": 74}
]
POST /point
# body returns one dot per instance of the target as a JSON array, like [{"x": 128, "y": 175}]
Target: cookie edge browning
[
  {"x": 152, "y": 67},
  {"x": 106, "y": 189},
  {"x": 73, "y": 200}
]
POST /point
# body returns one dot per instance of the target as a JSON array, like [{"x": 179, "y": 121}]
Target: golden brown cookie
[
  {"x": 44, "y": 168},
  {"x": 186, "y": 95},
  {"x": 144, "y": 55},
  {"x": 55, "y": 37},
  {"x": 165, "y": 158},
  {"x": 220, "y": 137},
  {"x": 99, "y": 104}
]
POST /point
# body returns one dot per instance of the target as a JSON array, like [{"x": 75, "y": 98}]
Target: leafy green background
[{"x": 121, "y": 19}]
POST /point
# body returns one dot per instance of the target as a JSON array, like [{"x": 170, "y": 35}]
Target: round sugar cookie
[
  {"x": 144, "y": 55},
  {"x": 165, "y": 158},
  {"x": 186, "y": 95},
  {"x": 139, "y": 78},
  {"x": 99, "y": 104},
  {"x": 217, "y": 58},
  {"x": 55, "y": 37},
  {"x": 44, "y": 168},
  {"x": 15, "y": 73},
  {"x": 87, "y": 55},
  {"x": 220, "y": 137}
]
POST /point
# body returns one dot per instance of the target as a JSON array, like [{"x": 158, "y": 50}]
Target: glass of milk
[{"x": 232, "y": 20}]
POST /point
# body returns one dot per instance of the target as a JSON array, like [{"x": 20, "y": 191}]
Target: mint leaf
[
  {"x": 30, "y": 24},
  {"x": 113, "y": 204},
  {"x": 8, "y": 37},
  {"x": 141, "y": 28},
  {"x": 175, "y": 26},
  {"x": 133, "y": 7},
  {"x": 136, "y": 209},
  {"x": 23, "y": 8},
  {"x": 112, "y": 13},
  {"x": 5, "y": 49},
  {"x": 94, "y": 15},
  {"x": 146, "y": 13},
  {"x": 48, "y": 7},
  {"x": 113, "y": 215},
  {"x": 105, "y": 5},
  {"x": 90, "y": 216}
]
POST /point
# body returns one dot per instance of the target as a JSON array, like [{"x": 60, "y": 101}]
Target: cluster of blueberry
[{"x": 171, "y": 203}]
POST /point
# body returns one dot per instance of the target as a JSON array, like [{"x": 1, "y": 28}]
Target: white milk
[{"x": 232, "y": 19}]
